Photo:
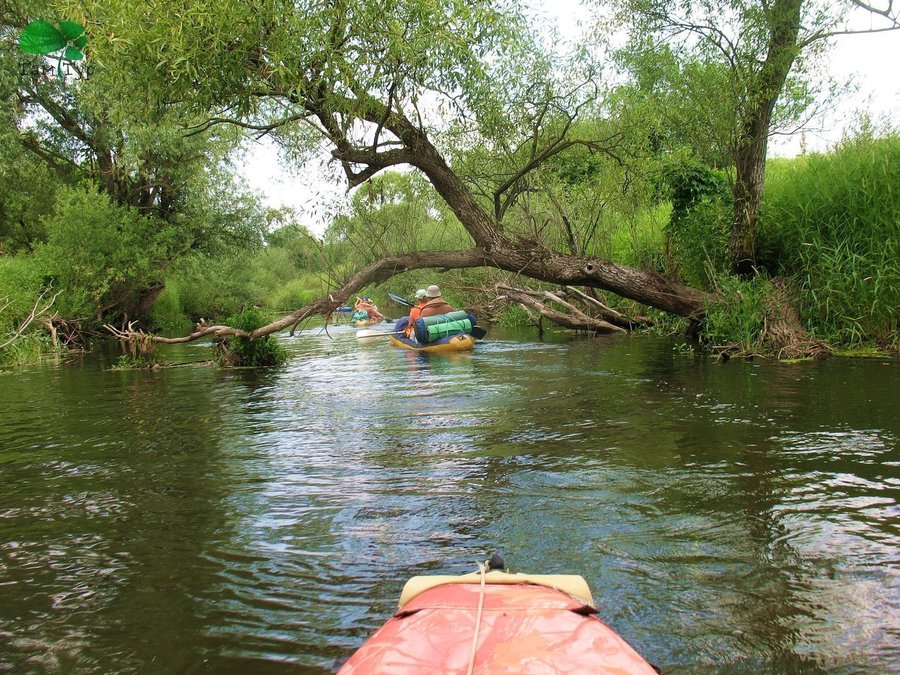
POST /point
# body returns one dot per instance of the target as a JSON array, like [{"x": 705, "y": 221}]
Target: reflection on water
[{"x": 739, "y": 516}]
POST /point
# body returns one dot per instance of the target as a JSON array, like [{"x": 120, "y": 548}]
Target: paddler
[
  {"x": 415, "y": 311},
  {"x": 435, "y": 304}
]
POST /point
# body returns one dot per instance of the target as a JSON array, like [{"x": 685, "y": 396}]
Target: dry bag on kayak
[{"x": 432, "y": 328}]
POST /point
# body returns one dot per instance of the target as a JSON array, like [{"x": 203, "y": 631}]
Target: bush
[
  {"x": 640, "y": 242},
  {"x": 699, "y": 243},
  {"x": 241, "y": 351},
  {"x": 295, "y": 293},
  {"x": 700, "y": 223},
  {"x": 100, "y": 255},
  {"x": 31, "y": 347},
  {"x": 20, "y": 286}
]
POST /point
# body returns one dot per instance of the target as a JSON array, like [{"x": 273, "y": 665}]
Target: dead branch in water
[{"x": 575, "y": 319}]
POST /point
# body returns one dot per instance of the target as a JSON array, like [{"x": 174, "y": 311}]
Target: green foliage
[
  {"x": 687, "y": 184},
  {"x": 30, "y": 348},
  {"x": 223, "y": 54},
  {"x": 20, "y": 285},
  {"x": 393, "y": 213},
  {"x": 290, "y": 295},
  {"x": 212, "y": 287},
  {"x": 676, "y": 104},
  {"x": 699, "y": 226},
  {"x": 167, "y": 315},
  {"x": 216, "y": 286},
  {"x": 737, "y": 317},
  {"x": 305, "y": 252},
  {"x": 27, "y": 194},
  {"x": 699, "y": 243},
  {"x": 241, "y": 351},
  {"x": 513, "y": 316},
  {"x": 830, "y": 222},
  {"x": 102, "y": 256},
  {"x": 639, "y": 239}
]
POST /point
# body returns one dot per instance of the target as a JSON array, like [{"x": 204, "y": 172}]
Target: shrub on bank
[
  {"x": 167, "y": 314},
  {"x": 20, "y": 286}
]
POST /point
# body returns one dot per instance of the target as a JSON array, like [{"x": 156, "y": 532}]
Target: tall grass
[{"x": 832, "y": 223}]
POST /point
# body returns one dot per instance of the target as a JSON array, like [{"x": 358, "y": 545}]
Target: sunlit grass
[{"x": 832, "y": 223}]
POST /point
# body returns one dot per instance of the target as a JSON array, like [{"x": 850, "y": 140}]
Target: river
[{"x": 738, "y": 517}]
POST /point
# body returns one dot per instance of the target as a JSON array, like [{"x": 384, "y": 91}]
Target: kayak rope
[{"x": 482, "y": 568}]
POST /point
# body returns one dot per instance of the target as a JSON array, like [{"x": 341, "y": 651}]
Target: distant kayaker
[
  {"x": 366, "y": 305},
  {"x": 436, "y": 304},
  {"x": 416, "y": 310}
]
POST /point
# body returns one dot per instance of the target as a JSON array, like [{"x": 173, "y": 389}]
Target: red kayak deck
[{"x": 523, "y": 629}]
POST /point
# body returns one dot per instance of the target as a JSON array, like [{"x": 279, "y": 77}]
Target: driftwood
[
  {"x": 575, "y": 318},
  {"x": 609, "y": 314},
  {"x": 128, "y": 332}
]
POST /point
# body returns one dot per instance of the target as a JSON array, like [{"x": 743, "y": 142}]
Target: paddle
[
  {"x": 399, "y": 300},
  {"x": 363, "y": 334},
  {"x": 476, "y": 332}
]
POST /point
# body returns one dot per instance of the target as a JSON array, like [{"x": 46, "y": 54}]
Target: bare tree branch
[
  {"x": 577, "y": 320},
  {"x": 34, "y": 314},
  {"x": 128, "y": 332}
]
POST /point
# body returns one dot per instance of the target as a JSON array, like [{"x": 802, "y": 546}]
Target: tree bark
[{"x": 752, "y": 142}]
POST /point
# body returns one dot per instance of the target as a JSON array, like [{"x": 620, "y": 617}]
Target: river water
[{"x": 738, "y": 517}]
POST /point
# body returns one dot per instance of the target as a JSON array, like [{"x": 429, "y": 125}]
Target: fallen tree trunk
[{"x": 538, "y": 263}]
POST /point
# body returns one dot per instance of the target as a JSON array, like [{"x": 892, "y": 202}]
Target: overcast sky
[{"x": 870, "y": 60}]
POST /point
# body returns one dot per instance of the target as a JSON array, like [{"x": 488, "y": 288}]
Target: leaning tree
[{"x": 381, "y": 85}]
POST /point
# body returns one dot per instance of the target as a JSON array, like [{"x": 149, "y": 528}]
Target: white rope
[{"x": 483, "y": 569}]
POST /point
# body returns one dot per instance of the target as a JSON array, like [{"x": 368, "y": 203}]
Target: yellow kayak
[{"x": 455, "y": 343}]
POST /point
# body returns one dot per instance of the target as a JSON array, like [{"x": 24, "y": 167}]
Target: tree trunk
[
  {"x": 750, "y": 170},
  {"x": 753, "y": 137}
]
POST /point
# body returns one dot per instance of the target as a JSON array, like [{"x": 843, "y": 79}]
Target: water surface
[{"x": 739, "y": 517}]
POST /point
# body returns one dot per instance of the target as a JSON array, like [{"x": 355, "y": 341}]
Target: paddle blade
[
  {"x": 478, "y": 332},
  {"x": 399, "y": 300}
]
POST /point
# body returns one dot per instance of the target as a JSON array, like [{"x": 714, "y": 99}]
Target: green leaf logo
[{"x": 42, "y": 37}]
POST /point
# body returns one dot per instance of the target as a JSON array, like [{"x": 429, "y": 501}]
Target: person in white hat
[
  {"x": 415, "y": 310},
  {"x": 436, "y": 304}
]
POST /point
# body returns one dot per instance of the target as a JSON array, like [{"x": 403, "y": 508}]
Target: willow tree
[
  {"x": 381, "y": 84},
  {"x": 751, "y": 65}
]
